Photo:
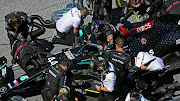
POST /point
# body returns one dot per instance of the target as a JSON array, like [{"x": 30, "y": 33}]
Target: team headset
[
  {"x": 104, "y": 65},
  {"x": 21, "y": 18}
]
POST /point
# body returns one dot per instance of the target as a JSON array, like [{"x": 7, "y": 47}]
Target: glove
[
  {"x": 20, "y": 37},
  {"x": 28, "y": 38},
  {"x": 105, "y": 13},
  {"x": 90, "y": 12}
]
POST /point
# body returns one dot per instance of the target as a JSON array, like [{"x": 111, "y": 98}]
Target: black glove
[
  {"x": 90, "y": 12},
  {"x": 20, "y": 37},
  {"x": 28, "y": 38}
]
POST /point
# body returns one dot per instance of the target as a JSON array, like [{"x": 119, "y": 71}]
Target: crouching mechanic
[
  {"x": 56, "y": 79},
  {"x": 71, "y": 19},
  {"x": 18, "y": 23},
  {"x": 145, "y": 61},
  {"x": 149, "y": 66},
  {"x": 108, "y": 79}
]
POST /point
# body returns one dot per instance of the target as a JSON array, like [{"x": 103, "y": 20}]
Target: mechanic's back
[{"x": 55, "y": 80}]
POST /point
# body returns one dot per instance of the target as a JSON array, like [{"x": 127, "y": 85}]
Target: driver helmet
[{"x": 95, "y": 26}]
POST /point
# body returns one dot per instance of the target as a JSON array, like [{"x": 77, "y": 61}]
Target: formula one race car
[{"x": 80, "y": 56}]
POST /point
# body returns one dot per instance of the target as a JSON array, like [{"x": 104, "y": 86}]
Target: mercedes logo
[{"x": 3, "y": 89}]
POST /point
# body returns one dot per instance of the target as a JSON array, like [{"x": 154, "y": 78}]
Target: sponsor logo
[
  {"x": 143, "y": 41},
  {"x": 24, "y": 78},
  {"x": 117, "y": 60},
  {"x": 144, "y": 27},
  {"x": 50, "y": 60},
  {"x": 15, "y": 82},
  {"x": 52, "y": 73},
  {"x": 9, "y": 85},
  {"x": 69, "y": 55},
  {"x": 3, "y": 89},
  {"x": 151, "y": 52}
]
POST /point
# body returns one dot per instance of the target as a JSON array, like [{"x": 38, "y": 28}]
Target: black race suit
[
  {"x": 25, "y": 28},
  {"x": 122, "y": 64},
  {"x": 55, "y": 80}
]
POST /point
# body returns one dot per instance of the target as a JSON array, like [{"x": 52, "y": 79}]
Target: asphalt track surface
[{"x": 44, "y": 8}]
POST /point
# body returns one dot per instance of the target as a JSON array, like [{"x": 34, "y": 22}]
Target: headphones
[
  {"x": 8, "y": 22},
  {"x": 104, "y": 65}
]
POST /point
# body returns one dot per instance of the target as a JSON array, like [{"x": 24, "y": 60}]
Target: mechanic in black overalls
[
  {"x": 18, "y": 23},
  {"x": 122, "y": 64},
  {"x": 107, "y": 6},
  {"x": 20, "y": 26},
  {"x": 56, "y": 78}
]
